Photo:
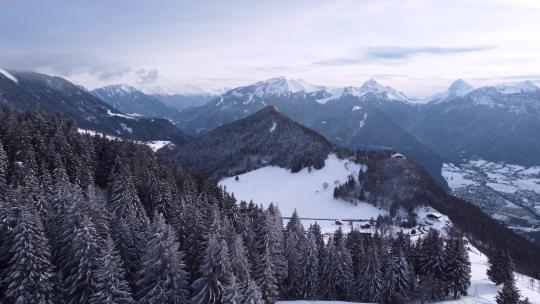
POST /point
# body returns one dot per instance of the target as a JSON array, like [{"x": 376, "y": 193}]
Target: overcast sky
[{"x": 416, "y": 46}]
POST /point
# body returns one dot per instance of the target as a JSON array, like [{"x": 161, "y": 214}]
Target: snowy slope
[
  {"x": 483, "y": 291},
  {"x": 303, "y": 191}
]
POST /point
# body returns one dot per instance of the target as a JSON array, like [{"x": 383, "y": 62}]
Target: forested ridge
[{"x": 264, "y": 138}]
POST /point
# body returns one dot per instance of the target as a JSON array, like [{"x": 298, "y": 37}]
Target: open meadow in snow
[{"x": 310, "y": 192}]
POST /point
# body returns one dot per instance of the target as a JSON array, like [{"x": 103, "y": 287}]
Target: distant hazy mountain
[
  {"x": 180, "y": 101},
  {"x": 127, "y": 99},
  {"x": 354, "y": 117},
  {"x": 29, "y": 91},
  {"x": 497, "y": 123}
]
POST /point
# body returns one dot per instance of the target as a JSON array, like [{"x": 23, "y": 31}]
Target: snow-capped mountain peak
[
  {"x": 520, "y": 87},
  {"x": 372, "y": 86},
  {"x": 459, "y": 88},
  {"x": 281, "y": 86},
  {"x": 119, "y": 89}
]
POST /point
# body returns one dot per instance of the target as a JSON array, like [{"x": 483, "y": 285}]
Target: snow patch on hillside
[
  {"x": 118, "y": 115},
  {"x": 310, "y": 193},
  {"x": 154, "y": 145},
  {"x": 9, "y": 75},
  {"x": 363, "y": 121},
  {"x": 157, "y": 144},
  {"x": 273, "y": 127}
]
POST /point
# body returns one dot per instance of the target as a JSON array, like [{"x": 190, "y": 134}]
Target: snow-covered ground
[
  {"x": 154, "y": 145},
  {"x": 310, "y": 193},
  {"x": 509, "y": 193},
  {"x": 483, "y": 291}
]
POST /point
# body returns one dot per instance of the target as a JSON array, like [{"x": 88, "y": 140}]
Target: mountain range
[
  {"x": 30, "y": 91},
  {"x": 448, "y": 130}
]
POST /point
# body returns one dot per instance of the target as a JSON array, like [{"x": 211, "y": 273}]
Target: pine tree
[
  {"x": 233, "y": 293},
  {"x": 162, "y": 278},
  {"x": 294, "y": 242},
  {"x": 310, "y": 269},
  {"x": 319, "y": 240},
  {"x": 399, "y": 278},
  {"x": 344, "y": 274},
  {"x": 81, "y": 281},
  {"x": 458, "y": 268},
  {"x": 252, "y": 294},
  {"x": 111, "y": 285},
  {"x": 239, "y": 263},
  {"x": 501, "y": 268},
  {"x": 3, "y": 170},
  {"x": 276, "y": 242},
  {"x": 264, "y": 276},
  {"x": 509, "y": 294},
  {"x": 214, "y": 274},
  {"x": 370, "y": 285},
  {"x": 124, "y": 237},
  {"x": 328, "y": 274},
  {"x": 433, "y": 263},
  {"x": 30, "y": 274},
  {"x": 125, "y": 201}
]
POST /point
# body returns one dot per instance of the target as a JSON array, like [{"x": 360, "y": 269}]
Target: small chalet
[
  {"x": 339, "y": 222},
  {"x": 365, "y": 226}
]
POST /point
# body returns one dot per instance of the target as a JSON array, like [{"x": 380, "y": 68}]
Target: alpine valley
[{"x": 276, "y": 192}]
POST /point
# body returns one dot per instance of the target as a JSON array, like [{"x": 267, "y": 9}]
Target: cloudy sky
[{"x": 417, "y": 46}]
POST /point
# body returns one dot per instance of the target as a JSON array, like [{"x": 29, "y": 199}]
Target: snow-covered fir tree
[
  {"x": 509, "y": 294},
  {"x": 162, "y": 278},
  {"x": 264, "y": 276},
  {"x": 252, "y": 294},
  {"x": 369, "y": 284},
  {"x": 310, "y": 269},
  {"x": 82, "y": 269},
  {"x": 233, "y": 293},
  {"x": 294, "y": 249},
  {"x": 458, "y": 268},
  {"x": 111, "y": 285},
  {"x": 30, "y": 275},
  {"x": 215, "y": 273},
  {"x": 501, "y": 268}
]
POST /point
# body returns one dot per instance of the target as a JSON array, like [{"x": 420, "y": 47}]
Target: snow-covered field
[{"x": 310, "y": 193}]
